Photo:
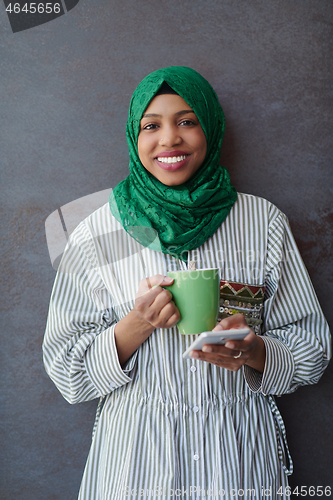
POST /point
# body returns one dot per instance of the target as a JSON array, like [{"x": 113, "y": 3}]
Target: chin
[
  {"x": 175, "y": 180},
  {"x": 172, "y": 183}
]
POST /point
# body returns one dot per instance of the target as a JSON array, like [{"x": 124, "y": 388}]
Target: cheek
[
  {"x": 143, "y": 148},
  {"x": 201, "y": 143},
  {"x": 140, "y": 145}
]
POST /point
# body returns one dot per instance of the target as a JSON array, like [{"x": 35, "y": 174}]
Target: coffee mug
[{"x": 197, "y": 296}]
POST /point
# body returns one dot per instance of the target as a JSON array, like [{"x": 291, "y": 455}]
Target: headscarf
[{"x": 183, "y": 216}]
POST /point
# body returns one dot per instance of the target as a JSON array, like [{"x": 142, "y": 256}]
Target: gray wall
[{"x": 65, "y": 90}]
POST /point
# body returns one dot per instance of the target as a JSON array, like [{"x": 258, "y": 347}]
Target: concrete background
[{"x": 65, "y": 90}]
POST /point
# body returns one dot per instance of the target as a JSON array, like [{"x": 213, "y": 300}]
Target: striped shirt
[{"x": 172, "y": 427}]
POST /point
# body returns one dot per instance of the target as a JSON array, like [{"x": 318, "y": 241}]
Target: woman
[{"x": 165, "y": 425}]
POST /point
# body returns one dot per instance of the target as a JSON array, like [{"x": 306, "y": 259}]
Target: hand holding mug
[{"x": 154, "y": 304}]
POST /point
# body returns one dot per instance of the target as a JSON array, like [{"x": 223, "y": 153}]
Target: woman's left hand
[{"x": 235, "y": 353}]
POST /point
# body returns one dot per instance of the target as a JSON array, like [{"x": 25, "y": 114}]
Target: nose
[{"x": 170, "y": 137}]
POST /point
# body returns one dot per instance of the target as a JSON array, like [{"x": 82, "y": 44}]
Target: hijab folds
[{"x": 183, "y": 216}]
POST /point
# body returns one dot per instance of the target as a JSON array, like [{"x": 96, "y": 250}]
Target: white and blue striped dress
[{"x": 168, "y": 427}]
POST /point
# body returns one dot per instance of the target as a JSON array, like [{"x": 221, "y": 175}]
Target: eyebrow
[{"x": 183, "y": 112}]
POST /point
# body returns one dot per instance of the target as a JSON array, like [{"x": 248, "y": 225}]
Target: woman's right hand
[
  {"x": 154, "y": 308},
  {"x": 154, "y": 304}
]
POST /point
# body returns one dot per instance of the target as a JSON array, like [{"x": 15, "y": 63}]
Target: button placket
[
  {"x": 193, "y": 369},
  {"x": 195, "y": 385}
]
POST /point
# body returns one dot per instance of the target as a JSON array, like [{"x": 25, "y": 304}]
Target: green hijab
[{"x": 183, "y": 217}]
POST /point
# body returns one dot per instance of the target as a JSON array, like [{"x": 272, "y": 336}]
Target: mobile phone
[{"x": 219, "y": 337}]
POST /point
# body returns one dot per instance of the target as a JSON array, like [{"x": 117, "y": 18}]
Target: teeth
[{"x": 171, "y": 159}]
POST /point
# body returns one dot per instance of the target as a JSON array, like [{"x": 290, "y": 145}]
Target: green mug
[{"x": 197, "y": 296}]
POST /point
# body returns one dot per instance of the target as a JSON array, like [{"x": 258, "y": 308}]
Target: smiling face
[{"x": 171, "y": 143}]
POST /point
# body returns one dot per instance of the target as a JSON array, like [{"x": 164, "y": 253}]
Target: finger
[
  {"x": 230, "y": 363},
  {"x": 160, "y": 280},
  {"x": 235, "y": 321},
  {"x": 167, "y": 310},
  {"x": 151, "y": 282},
  {"x": 173, "y": 318},
  {"x": 160, "y": 298},
  {"x": 167, "y": 317},
  {"x": 242, "y": 345},
  {"x": 223, "y": 354},
  {"x": 221, "y": 350}
]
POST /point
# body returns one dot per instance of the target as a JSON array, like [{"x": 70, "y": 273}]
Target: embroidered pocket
[{"x": 242, "y": 298}]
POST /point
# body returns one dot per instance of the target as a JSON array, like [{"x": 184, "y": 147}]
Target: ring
[{"x": 238, "y": 355}]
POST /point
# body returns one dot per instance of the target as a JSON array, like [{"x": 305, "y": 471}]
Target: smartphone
[{"x": 219, "y": 337}]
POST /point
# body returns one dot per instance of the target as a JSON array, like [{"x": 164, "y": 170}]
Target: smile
[
  {"x": 171, "y": 159},
  {"x": 172, "y": 163}
]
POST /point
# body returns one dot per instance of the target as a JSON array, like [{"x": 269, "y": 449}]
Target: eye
[
  {"x": 187, "y": 123},
  {"x": 149, "y": 126}
]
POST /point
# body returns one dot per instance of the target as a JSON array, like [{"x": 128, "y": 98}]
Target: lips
[
  {"x": 171, "y": 160},
  {"x": 171, "y": 153}
]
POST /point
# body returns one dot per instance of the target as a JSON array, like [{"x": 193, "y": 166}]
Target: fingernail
[
  {"x": 207, "y": 348},
  {"x": 168, "y": 279},
  {"x": 194, "y": 354},
  {"x": 229, "y": 345}
]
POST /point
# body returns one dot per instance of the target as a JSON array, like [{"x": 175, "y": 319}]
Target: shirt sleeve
[
  {"x": 295, "y": 332},
  {"x": 79, "y": 349}
]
